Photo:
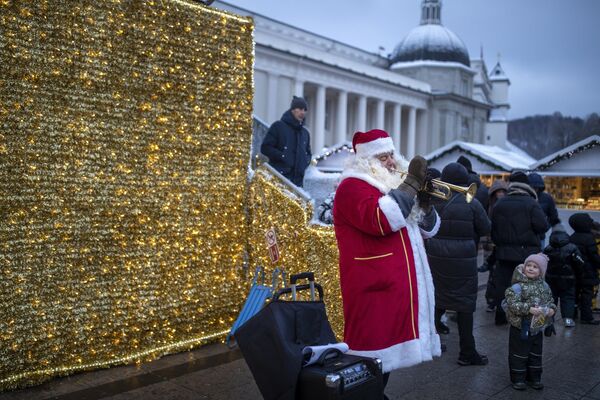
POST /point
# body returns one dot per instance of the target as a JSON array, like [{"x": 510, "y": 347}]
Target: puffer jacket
[
  {"x": 565, "y": 261},
  {"x": 287, "y": 144},
  {"x": 544, "y": 199},
  {"x": 583, "y": 238},
  {"x": 524, "y": 294},
  {"x": 452, "y": 253},
  {"x": 517, "y": 222}
]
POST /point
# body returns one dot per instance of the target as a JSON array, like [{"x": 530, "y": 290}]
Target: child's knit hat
[{"x": 541, "y": 260}]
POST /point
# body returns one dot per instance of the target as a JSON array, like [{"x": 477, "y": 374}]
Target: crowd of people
[{"x": 406, "y": 257}]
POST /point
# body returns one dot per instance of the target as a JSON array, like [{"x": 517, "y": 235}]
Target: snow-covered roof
[
  {"x": 589, "y": 166},
  {"x": 495, "y": 158},
  {"x": 332, "y": 159},
  {"x": 431, "y": 63},
  {"x": 300, "y": 49},
  {"x": 431, "y": 42}
]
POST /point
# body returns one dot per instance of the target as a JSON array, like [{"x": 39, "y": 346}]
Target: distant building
[{"x": 426, "y": 93}]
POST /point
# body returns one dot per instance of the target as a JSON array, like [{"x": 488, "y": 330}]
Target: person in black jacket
[
  {"x": 545, "y": 201},
  {"x": 583, "y": 238},
  {"x": 517, "y": 222},
  {"x": 565, "y": 263},
  {"x": 452, "y": 255},
  {"x": 287, "y": 143}
]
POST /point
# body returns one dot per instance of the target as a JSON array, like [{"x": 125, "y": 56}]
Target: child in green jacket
[{"x": 530, "y": 308}]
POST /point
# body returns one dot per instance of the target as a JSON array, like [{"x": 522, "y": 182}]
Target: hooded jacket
[
  {"x": 287, "y": 144},
  {"x": 452, "y": 253},
  {"x": 583, "y": 238},
  {"x": 524, "y": 294},
  {"x": 517, "y": 222},
  {"x": 544, "y": 199},
  {"x": 565, "y": 261}
]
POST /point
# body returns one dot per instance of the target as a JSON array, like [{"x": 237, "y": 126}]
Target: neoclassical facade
[{"x": 426, "y": 94}]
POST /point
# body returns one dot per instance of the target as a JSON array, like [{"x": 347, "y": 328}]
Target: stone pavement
[{"x": 571, "y": 371}]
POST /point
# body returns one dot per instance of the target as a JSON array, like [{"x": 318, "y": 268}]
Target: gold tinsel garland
[
  {"x": 303, "y": 246},
  {"x": 125, "y": 131}
]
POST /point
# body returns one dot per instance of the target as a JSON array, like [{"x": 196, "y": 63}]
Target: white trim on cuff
[{"x": 392, "y": 212}]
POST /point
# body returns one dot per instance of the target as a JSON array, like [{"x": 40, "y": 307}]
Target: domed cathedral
[
  {"x": 427, "y": 93},
  {"x": 467, "y": 104}
]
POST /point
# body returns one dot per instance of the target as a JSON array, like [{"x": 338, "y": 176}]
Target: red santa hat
[{"x": 372, "y": 143}]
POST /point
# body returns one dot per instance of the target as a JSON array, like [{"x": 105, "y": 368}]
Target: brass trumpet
[{"x": 444, "y": 190}]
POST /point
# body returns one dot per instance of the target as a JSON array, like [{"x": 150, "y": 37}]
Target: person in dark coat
[
  {"x": 496, "y": 192},
  {"x": 482, "y": 190},
  {"x": 583, "y": 238},
  {"x": 452, "y": 255},
  {"x": 545, "y": 201},
  {"x": 517, "y": 222},
  {"x": 287, "y": 143},
  {"x": 565, "y": 263}
]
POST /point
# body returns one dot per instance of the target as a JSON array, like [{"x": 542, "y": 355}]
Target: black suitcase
[
  {"x": 272, "y": 340},
  {"x": 341, "y": 376}
]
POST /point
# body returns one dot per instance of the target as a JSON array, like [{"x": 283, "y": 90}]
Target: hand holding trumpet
[{"x": 418, "y": 182}]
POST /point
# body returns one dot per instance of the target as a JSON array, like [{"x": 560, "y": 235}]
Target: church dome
[{"x": 431, "y": 42}]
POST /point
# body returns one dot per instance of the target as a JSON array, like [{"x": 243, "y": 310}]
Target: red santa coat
[{"x": 387, "y": 289}]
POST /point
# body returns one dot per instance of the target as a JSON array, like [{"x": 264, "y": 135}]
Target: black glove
[
  {"x": 549, "y": 330},
  {"x": 417, "y": 171}
]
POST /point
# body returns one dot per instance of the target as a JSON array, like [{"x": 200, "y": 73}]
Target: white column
[
  {"x": 361, "y": 122},
  {"x": 412, "y": 139},
  {"x": 423, "y": 133},
  {"x": 319, "y": 120},
  {"x": 341, "y": 115},
  {"x": 380, "y": 116},
  {"x": 299, "y": 88},
  {"x": 396, "y": 127},
  {"x": 272, "y": 97}
]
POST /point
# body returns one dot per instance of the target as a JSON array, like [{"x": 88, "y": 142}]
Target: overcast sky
[{"x": 550, "y": 49}]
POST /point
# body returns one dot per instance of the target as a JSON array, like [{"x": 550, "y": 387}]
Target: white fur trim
[
  {"x": 392, "y": 212},
  {"x": 364, "y": 177},
  {"x": 405, "y": 354},
  {"x": 375, "y": 147},
  {"x": 428, "y": 344},
  {"x": 434, "y": 230},
  {"x": 424, "y": 285}
]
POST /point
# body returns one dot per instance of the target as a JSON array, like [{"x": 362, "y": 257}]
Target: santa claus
[{"x": 381, "y": 216}]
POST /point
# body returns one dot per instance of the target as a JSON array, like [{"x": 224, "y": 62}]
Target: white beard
[{"x": 373, "y": 167}]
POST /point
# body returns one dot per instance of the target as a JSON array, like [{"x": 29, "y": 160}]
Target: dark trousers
[
  {"x": 563, "y": 289},
  {"x": 525, "y": 356},
  {"x": 585, "y": 295},
  {"x": 502, "y": 277},
  {"x": 465, "y": 334},
  {"x": 464, "y": 321}
]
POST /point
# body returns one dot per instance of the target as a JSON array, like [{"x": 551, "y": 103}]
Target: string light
[
  {"x": 125, "y": 130},
  {"x": 303, "y": 246}
]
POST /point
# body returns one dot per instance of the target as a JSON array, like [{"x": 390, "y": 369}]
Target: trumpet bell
[{"x": 444, "y": 190}]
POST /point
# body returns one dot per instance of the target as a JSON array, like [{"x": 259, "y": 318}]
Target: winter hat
[
  {"x": 541, "y": 260},
  {"x": 497, "y": 185},
  {"x": 536, "y": 181},
  {"x": 434, "y": 173},
  {"x": 581, "y": 222},
  {"x": 299, "y": 102},
  {"x": 455, "y": 174},
  {"x": 464, "y": 161},
  {"x": 518, "y": 176},
  {"x": 371, "y": 143}
]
